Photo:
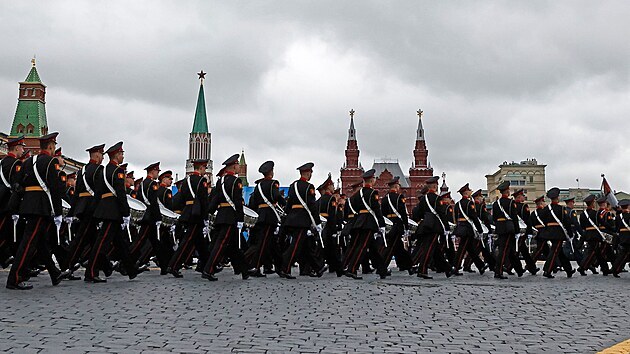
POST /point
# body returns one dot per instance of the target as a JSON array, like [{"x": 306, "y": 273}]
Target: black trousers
[
  {"x": 263, "y": 247},
  {"x": 226, "y": 243},
  {"x": 396, "y": 248},
  {"x": 149, "y": 244},
  {"x": 505, "y": 244},
  {"x": 332, "y": 248},
  {"x": 365, "y": 241},
  {"x": 467, "y": 245},
  {"x": 302, "y": 248},
  {"x": 623, "y": 255},
  {"x": 192, "y": 240},
  {"x": 596, "y": 252},
  {"x": 429, "y": 249},
  {"x": 59, "y": 248},
  {"x": 487, "y": 255},
  {"x": 7, "y": 244},
  {"x": 556, "y": 252},
  {"x": 82, "y": 240},
  {"x": 110, "y": 234},
  {"x": 34, "y": 241}
]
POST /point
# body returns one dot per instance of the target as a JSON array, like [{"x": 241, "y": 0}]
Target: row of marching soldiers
[{"x": 87, "y": 220}]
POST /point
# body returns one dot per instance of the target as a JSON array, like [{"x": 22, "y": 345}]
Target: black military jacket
[
  {"x": 430, "y": 224},
  {"x": 69, "y": 195},
  {"x": 482, "y": 213},
  {"x": 575, "y": 223},
  {"x": 165, "y": 196},
  {"x": 502, "y": 224},
  {"x": 590, "y": 231},
  {"x": 553, "y": 230},
  {"x": 463, "y": 226},
  {"x": 10, "y": 169},
  {"x": 398, "y": 201},
  {"x": 85, "y": 203},
  {"x": 624, "y": 232},
  {"x": 148, "y": 194},
  {"x": 195, "y": 209},
  {"x": 297, "y": 216},
  {"x": 110, "y": 207},
  {"x": 36, "y": 202},
  {"x": 364, "y": 219},
  {"x": 226, "y": 214},
  {"x": 606, "y": 219},
  {"x": 534, "y": 222},
  {"x": 523, "y": 212},
  {"x": 271, "y": 190},
  {"x": 327, "y": 207}
]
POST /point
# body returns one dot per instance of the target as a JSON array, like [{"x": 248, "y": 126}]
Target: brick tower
[
  {"x": 421, "y": 168},
  {"x": 30, "y": 114},
  {"x": 352, "y": 170},
  {"x": 200, "y": 140},
  {"x": 242, "y": 169}
]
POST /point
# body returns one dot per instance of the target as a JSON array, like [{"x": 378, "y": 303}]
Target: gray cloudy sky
[{"x": 497, "y": 81}]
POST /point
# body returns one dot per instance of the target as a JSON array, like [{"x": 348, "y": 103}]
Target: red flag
[{"x": 608, "y": 192}]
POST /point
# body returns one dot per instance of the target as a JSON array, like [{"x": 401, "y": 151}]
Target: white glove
[
  {"x": 309, "y": 233},
  {"x": 58, "y": 219},
  {"x": 126, "y": 221},
  {"x": 319, "y": 228},
  {"x": 172, "y": 229},
  {"x": 205, "y": 232},
  {"x": 158, "y": 224},
  {"x": 239, "y": 225},
  {"x": 69, "y": 220},
  {"x": 277, "y": 230},
  {"x": 15, "y": 218},
  {"x": 382, "y": 231},
  {"x": 206, "y": 223}
]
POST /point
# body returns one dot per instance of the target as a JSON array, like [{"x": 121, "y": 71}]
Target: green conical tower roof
[
  {"x": 30, "y": 115},
  {"x": 33, "y": 76},
  {"x": 200, "y": 124}
]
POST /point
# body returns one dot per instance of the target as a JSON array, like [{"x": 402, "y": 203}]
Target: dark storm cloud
[{"x": 498, "y": 81}]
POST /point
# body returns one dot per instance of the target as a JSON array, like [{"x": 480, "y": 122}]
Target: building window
[
  {"x": 29, "y": 129},
  {"x": 33, "y": 94},
  {"x": 20, "y": 129},
  {"x": 25, "y": 92},
  {"x": 531, "y": 179}
]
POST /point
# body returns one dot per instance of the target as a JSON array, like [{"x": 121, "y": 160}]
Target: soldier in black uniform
[
  {"x": 523, "y": 250},
  {"x": 150, "y": 223},
  {"x": 165, "y": 198},
  {"x": 368, "y": 225},
  {"x": 594, "y": 223},
  {"x": 623, "y": 227},
  {"x": 302, "y": 223},
  {"x": 432, "y": 226},
  {"x": 41, "y": 207},
  {"x": 557, "y": 221},
  {"x": 505, "y": 216},
  {"x": 10, "y": 169},
  {"x": 83, "y": 208},
  {"x": 129, "y": 184},
  {"x": 327, "y": 207},
  {"x": 350, "y": 212},
  {"x": 228, "y": 202},
  {"x": 467, "y": 223},
  {"x": 265, "y": 247},
  {"x": 112, "y": 210},
  {"x": 394, "y": 208},
  {"x": 480, "y": 244},
  {"x": 193, "y": 218}
]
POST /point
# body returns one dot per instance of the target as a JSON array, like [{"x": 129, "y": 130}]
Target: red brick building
[{"x": 387, "y": 169}]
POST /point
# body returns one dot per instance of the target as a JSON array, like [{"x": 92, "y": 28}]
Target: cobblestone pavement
[{"x": 468, "y": 314}]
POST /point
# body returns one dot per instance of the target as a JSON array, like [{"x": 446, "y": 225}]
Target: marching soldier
[
  {"x": 556, "y": 219},
  {"x": 594, "y": 223},
  {"x": 83, "y": 208},
  {"x": 350, "y": 213},
  {"x": 468, "y": 229},
  {"x": 505, "y": 216},
  {"x": 193, "y": 218},
  {"x": 480, "y": 246},
  {"x": 129, "y": 184},
  {"x": 368, "y": 223},
  {"x": 150, "y": 223},
  {"x": 394, "y": 208},
  {"x": 302, "y": 223},
  {"x": 113, "y": 211},
  {"x": 228, "y": 202},
  {"x": 623, "y": 227},
  {"x": 432, "y": 226},
  {"x": 524, "y": 214},
  {"x": 9, "y": 173},
  {"x": 327, "y": 205},
  {"x": 265, "y": 246},
  {"x": 41, "y": 207}
]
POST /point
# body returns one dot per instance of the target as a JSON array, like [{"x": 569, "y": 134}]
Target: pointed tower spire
[
  {"x": 200, "y": 140},
  {"x": 352, "y": 133},
  {"x": 242, "y": 169},
  {"x": 30, "y": 115},
  {"x": 420, "y": 131}
]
